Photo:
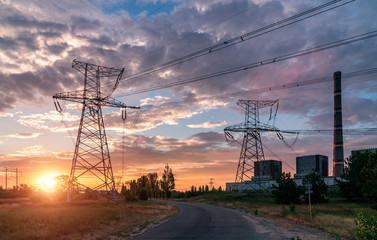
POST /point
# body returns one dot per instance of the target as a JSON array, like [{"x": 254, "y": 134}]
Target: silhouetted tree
[
  {"x": 369, "y": 171},
  {"x": 167, "y": 182},
  {"x": 319, "y": 188},
  {"x": 351, "y": 187},
  {"x": 287, "y": 191},
  {"x": 153, "y": 184},
  {"x": 360, "y": 177},
  {"x": 143, "y": 194},
  {"x": 61, "y": 182}
]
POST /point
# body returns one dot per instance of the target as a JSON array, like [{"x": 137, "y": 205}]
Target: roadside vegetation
[
  {"x": 347, "y": 210},
  {"x": 78, "y": 221},
  {"x": 28, "y": 213}
]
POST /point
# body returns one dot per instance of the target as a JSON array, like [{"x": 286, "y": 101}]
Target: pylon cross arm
[
  {"x": 80, "y": 97},
  {"x": 111, "y": 102}
]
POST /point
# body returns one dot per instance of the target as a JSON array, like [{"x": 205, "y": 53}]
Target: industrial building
[
  {"x": 372, "y": 150},
  {"x": 312, "y": 163},
  {"x": 268, "y": 169}
]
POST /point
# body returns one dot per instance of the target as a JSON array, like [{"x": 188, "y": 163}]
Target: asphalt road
[{"x": 200, "y": 221}]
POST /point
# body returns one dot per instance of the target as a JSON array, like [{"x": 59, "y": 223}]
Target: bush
[
  {"x": 143, "y": 194},
  {"x": 366, "y": 226},
  {"x": 292, "y": 208},
  {"x": 284, "y": 212}
]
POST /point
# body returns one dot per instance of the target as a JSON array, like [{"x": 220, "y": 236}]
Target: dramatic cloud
[{"x": 39, "y": 40}]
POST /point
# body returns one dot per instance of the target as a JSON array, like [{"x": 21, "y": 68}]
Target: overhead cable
[
  {"x": 274, "y": 88},
  {"x": 250, "y": 35},
  {"x": 259, "y": 63}
]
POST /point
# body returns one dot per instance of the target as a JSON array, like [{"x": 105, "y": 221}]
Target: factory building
[
  {"x": 267, "y": 170},
  {"x": 312, "y": 163},
  {"x": 372, "y": 150}
]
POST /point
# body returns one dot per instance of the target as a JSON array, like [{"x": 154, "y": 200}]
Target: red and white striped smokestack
[{"x": 338, "y": 161}]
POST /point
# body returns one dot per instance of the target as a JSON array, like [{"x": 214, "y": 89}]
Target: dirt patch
[{"x": 285, "y": 229}]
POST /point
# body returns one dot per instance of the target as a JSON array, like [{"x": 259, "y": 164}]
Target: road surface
[{"x": 201, "y": 221}]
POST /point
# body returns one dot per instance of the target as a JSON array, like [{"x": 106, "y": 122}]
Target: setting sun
[{"x": 47, "y": 182}]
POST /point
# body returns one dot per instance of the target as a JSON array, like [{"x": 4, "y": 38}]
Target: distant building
[
  {"x": 267, "y": 170},
  {"x": 372, "y": 150},
  {"x": 312, "y": 163}
]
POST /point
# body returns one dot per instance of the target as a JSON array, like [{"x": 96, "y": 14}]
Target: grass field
[
  {"x": 336, "y": 217},
  {"x": 22, "y": 220}
]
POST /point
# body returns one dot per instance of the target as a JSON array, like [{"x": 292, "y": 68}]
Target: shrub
[
  {"x": 284, "y": 212},
  {"x": 292, "y": 208},
  {"x": 366, "y": 226}
]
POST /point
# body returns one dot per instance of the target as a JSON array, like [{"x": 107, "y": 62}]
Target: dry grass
[
  {"x": 336, "y": 217},
  {"x": 78, "y": 221}
]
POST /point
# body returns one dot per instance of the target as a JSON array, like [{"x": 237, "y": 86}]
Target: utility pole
[
  {"x": 6, "y": 178},
  {"x": 17, "y": 179},
  {"x": 91, "y": 170}
]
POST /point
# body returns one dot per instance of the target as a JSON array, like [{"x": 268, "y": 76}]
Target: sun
[{"x": 47, "y": 182}]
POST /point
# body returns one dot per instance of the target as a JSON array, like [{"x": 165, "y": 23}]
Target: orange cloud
[{"x": 24, "y": 135}]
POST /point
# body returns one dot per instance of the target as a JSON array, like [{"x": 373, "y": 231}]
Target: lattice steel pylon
[
  {"x": 252, "y": 148},
  {"x": 91, "y": 170}
]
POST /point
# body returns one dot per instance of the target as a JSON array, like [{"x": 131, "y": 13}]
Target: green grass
[
  {"x": 78, "y": 221},
  {"x": 336, "y": 217}
]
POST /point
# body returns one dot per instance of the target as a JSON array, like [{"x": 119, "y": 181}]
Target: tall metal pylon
[
  {"x": 91, "y": 170},
  {"x": 252, "y": 148}
]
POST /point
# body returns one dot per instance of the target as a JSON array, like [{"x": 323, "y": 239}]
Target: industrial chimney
[{"x": 338, "y": 161}]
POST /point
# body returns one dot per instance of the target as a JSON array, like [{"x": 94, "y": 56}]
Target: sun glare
[{"x": 47, "y": 183}]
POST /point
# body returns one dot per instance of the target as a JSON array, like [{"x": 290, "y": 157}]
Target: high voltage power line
[
  {"x": 205, "y": 28},
  {"x": 272, "y": 88},
  {"x": 260, "y": 63},
  {"x": 242, "y": 38},
  {"x": 148, "y": 15}
]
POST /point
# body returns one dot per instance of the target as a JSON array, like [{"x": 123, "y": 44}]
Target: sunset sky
[{"x": 40, "y": 39}]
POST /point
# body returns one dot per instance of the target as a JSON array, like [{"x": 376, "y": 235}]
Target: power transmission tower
[
  {"x": 91, "y": 170},
  {"x": 252, "y": 148},
  {"x": 211, "y": 182}
]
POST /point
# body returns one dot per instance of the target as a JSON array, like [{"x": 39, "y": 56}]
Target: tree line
[{"x": 149, "y": 186}]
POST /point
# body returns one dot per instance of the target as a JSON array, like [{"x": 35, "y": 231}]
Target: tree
[
  {"x": 143, "y": 194},
  {"x": 61, "y": 182},
  {"x": 142, "y": 182},
  {"x": 319, "y": 188},
  {"x": 360, "y": 177},
  {"x": 153, "y": 184},
  {"x": 167, "y": 181},
  {"x": 287, "y": 191},
  {"x": 369, "y": 171}
]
